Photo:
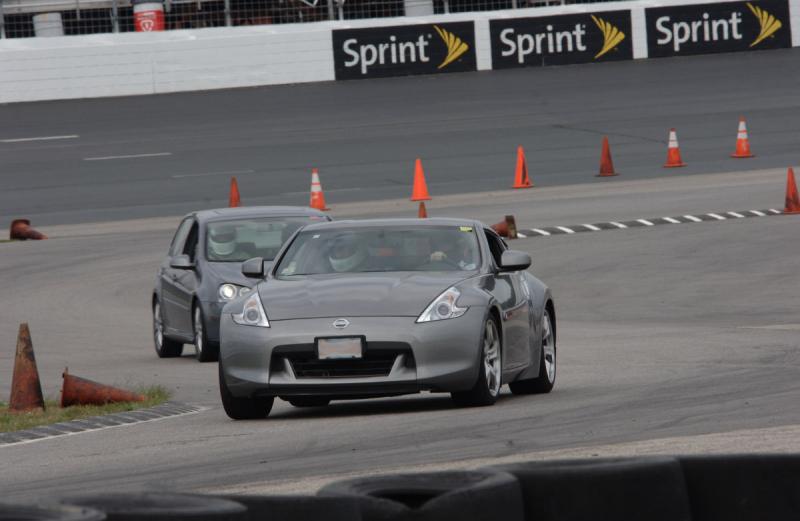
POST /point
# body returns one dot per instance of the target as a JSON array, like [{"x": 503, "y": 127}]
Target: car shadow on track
[{"x": 369, "y": 407}]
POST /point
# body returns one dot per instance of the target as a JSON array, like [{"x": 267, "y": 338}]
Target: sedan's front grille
[{"x": 376, "y": 362}]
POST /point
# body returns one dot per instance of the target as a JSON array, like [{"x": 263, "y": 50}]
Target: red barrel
[{"x": 148, "y": 16}]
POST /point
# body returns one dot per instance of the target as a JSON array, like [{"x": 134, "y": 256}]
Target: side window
[
  {"x": 190, "y": 246},
  {"x": 496, "y": 246},
  {"x": 176, "y": 248}
]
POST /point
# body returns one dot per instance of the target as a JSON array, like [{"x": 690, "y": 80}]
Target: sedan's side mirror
[
  {"x": 253, "y": 268},
  {"x": 181, "y": 262},
  {"x": 513, "y": 260}
]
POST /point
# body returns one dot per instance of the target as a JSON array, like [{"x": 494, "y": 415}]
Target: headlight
[
  {"x": 252, "y": 313},
  {"x": 443, "y": 307},
  {"x": 231, "y": 291}
]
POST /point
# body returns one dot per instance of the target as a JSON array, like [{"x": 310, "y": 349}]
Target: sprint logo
[
  {"x": 612, "y": 36},
  {"x": 769, "y": 24},
  {"x": 455, "y": 46}
]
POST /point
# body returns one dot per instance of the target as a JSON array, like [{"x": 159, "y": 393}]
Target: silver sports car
[{"x": 359, "y": 309}]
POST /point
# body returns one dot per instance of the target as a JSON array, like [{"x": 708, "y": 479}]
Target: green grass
[
  {"x": 53, "y": 413},
  {"x": 6, "y": 240}
]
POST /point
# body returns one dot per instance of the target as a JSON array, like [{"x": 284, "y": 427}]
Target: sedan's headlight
[
  {"x": 443, "y": 307},
  {"x": 231, "y": 291},
  {"x": 252, "y": 313}
]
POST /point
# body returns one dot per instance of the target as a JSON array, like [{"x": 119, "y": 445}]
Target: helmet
[
  {"x": 347, "y": 252},
  {"x": 222, "y": 240}
]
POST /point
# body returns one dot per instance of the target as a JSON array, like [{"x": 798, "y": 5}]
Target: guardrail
[{"x": 173, "y": 61}]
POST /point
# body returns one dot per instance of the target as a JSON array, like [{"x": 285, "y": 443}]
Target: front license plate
[{"x": 338, "y": 348}]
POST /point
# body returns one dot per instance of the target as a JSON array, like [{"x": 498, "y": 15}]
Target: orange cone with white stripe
[
  {"x": 521, "y": 179},
  {"x": 792, "y": 199},
  {"x": 673, "y": 151},
  {"x": 317, "y": 197},
  {"x": 742, "y": 142}
]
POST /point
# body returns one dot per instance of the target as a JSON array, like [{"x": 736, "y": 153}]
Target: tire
[
  {"x": 242, "y": 408},
  {"x": 204, "y": 351},
  {"x": 546, "y": 379},
  {"x": 161, "y": 506},
  {"x": 309, "y": 401},
  {"x": 165, "y": 346},
  {"x": 487, "y": 388}
]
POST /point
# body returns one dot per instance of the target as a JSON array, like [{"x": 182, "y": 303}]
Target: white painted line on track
[
  {"x": 716, "y": 216},
  {"x": 131, "y": 156},
  {"x": 756, "y": 212},
  {"x": 618, "y": 225},
  {"x": 565, "y": 229},
  {"x": 671, "y": 220},
  {"x": 735, "y": 214},
  {"x": 693, "y": 218},
  {"x": 41, "y": 138},
  {"x": 540, "y": 232},
  {"x": 645, "y": 222},
  {"x": 208, "y": 174},
  {"x": 776, "y": 212},
  {"x": 591, "y": 227},
  {"x": 522, "y": 235}
]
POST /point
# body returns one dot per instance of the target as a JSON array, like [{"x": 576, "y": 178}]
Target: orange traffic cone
[
  {"x": 317, "y": 200},
  {"x": 742, "y": 142},
  {"x": 792, "y": 200},
  {"x": 422, "y": 213},
  {"x": 420, "y": 190},
  {"x": 673, "y": 151},
  {"x": 506, "y": 228},
  {"x": 80, "y": 391},
  {"x": 233, "y": 198},
  {"x": 21, "y": 230},
  {"x": 521, "y": 178},
  {"x": 26, "y": 390},
  {"x": 606, "y": 164}
]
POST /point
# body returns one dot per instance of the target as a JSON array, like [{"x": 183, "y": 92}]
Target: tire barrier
[
  {"x": 10, "y": 512},
  {"x": 161, "y": 507},
  {"x": 299, "y": 508},
  {"x": 619, "y": 489},
  {"x": 485, "y": 495},
  {"x": 743, "y": 488}
]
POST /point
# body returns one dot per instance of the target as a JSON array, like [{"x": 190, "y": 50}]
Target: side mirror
[
  {"x": 513, "y": 260},
  {"x": 181, "y": 262},
  {"x": 253, "y": 268}
]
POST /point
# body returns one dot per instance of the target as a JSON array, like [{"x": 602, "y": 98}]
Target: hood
[
  {"x": 354, "y": 295},
  {"x": 231, "y": 272}
]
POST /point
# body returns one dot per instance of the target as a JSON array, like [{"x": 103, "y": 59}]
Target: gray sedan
[
  {"x": 202, "y": 271},
  {"x": 358, "y": 309}
]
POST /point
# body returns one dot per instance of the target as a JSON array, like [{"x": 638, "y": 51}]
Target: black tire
[
  {"x": 49, "y": 513},
  {"x": 242, "y": 408},
  {"x": 165, "y": 346},
  {"x": 487, "y": 388},
  {"x": 309, "y": 401},
  {"x": 159, "y": 506},
  {"x": 543, "y": 383},
  {"x": 204, "y": 351},
  {"x": 299, "y": 508}
]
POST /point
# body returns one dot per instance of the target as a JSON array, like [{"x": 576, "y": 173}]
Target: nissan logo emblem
[{"x": 341, "y": 323}]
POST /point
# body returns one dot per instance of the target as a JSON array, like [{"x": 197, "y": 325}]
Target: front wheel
[
  {"x": 165, "y": 347},
  {"x": 242, "y": 408},
  {"x": 490, "y": 372},
  {"x": 546, "y": 379},
  {"x": 203, "y": 350}
]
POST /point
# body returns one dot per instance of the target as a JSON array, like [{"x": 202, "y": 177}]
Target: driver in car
[
  {"x": 454, "y": 251},
  {"x": 223, "y": 245}
]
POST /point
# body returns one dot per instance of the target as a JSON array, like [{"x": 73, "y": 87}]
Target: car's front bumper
[{"x": 400, "y": 357}]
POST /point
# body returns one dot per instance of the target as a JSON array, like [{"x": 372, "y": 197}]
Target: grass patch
[
  {"x": 6, "y": 240},
  {"x": 53, "y": 413}
]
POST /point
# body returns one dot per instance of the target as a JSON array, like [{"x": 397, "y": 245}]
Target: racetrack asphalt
[{"x": 686, "y": 333}]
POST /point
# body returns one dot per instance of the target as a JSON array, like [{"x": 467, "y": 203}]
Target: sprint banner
[
  {"x": 561, "y": 40},
  {"x": 725, "y": 27},
  {"x": 404, "y": 50}
]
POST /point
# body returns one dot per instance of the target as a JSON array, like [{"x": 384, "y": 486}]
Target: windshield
[
  {"x": 242, "y": 239},
  {"x": 364, "y": 250}
]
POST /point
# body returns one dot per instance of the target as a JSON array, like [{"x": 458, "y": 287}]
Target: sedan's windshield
[
  {"x": 380, "y": 249},
  {"x": 242, "y": 239}
]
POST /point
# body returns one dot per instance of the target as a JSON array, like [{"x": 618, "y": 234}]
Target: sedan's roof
[
  {"x": 386, "y": 223},
  {"x": 256, "y": 211}
]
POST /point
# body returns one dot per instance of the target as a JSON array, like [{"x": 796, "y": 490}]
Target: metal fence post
[
  {"x": 228, "y": 18},
  {"x": 2, "y": 21},
  {"x": 331, "y": 12},
  {"x": 114, "y": 17}
]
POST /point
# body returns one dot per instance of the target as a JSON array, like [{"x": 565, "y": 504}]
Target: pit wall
[{"x": 125, "y": 64}]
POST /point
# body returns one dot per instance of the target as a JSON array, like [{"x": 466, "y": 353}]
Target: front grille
[{"x": 378, "y": 361}]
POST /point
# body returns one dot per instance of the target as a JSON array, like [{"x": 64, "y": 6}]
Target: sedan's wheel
[
  {"x": 546, "y": 379},
  {"x": 309, "y": 401},
  {"x": 203, "y": 350},
  {"x": 490, "y": 373},
  {"x": 165, "y": 347},
  {"x": 242, "y": 408}
]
